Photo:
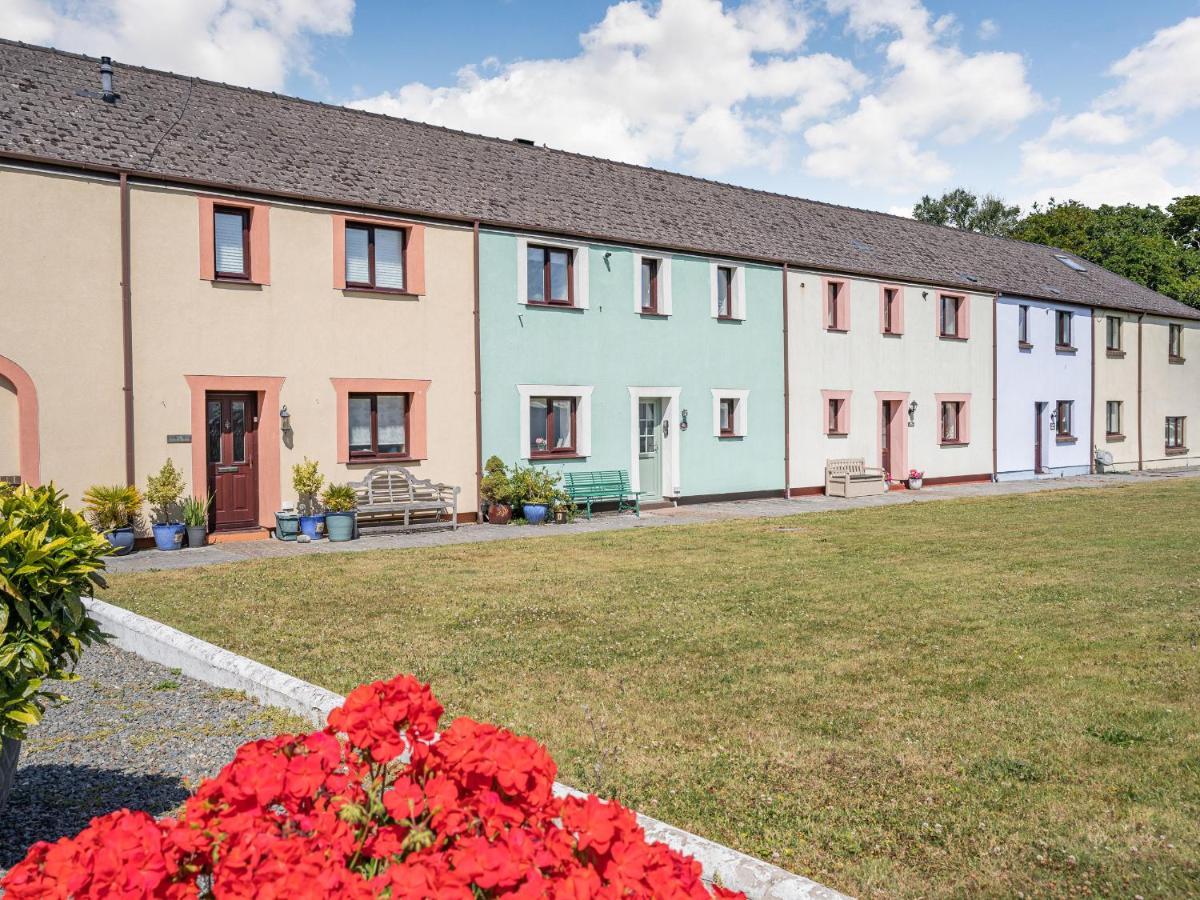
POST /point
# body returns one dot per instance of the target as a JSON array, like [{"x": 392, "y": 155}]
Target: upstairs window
[
  {"x": 1112, "y": 333},
  {"x": 1175, "y": 343},
  {"x": 1062, "y": 330},
  {"x": 952, "y": 317},
  {"x": 1063, "y": 419},
  {"x": 837, "y": 305},
  {"x": 649, "y": 286},
  {"x": 374, "y": 257},
  {"x": 891, "y": 311},
  {"x": 551, "y": 426},
  {"x": 1112, "y": 418},
  {"x": 1023, "y": 326},
  {"x": 1175, "y": 440},
  {"x": 231, "y": 242},
  {"x": 550, "y": 275},
  {"x": 378, "y": 425},
  {"x": 724, "y": 292}
]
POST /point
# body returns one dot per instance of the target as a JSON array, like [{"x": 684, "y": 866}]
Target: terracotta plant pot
[{"x": 499, "y": 513}]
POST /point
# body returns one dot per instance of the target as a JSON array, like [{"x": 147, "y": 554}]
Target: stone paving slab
[{"x": 690, "y": 514}]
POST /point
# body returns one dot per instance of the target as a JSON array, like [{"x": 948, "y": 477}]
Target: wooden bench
[
  {"x": 853, "y": 478},
  {"x": 605, "y": 484},
  {"x": 389, "y": 497}
]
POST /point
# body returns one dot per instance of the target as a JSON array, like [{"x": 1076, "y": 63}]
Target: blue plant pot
[
  {"x": 339, "y": 526},
  {"x": 121, "y": 539},
  {"x": 535, "y": 513},
  {"x": 169, "y": 536},
  {"x": 287, "y": 526},
  {"x": 313, "y": 526}
]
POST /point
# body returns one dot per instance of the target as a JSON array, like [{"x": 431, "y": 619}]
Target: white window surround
[
  {"x": 664, "y": 282},
  {"x": 741, "y": 415},
  {"x": 579, "y": 265},
  {"x": 670, "y": 479},
  {"x": 583, "y": 413},
  {"x": 739, "y": 288}
]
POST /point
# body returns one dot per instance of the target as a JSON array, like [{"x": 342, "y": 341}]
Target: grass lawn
[{"x": 959, "y": 698}]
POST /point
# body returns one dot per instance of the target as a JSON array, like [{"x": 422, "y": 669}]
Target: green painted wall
[{"x": 611, "y": 347}]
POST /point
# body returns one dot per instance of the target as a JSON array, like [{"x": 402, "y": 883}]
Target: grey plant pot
[
  {"x": 10, "y": 749},
  {"x": 197, "y": 535}
]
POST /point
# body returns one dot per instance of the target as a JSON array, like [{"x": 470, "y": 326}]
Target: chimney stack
[{"x": 107, "y": 94}]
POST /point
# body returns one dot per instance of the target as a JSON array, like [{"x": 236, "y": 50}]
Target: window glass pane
[
  {"x": 559, "y": 260},
  {"x": 230, "y": 252},
  {"x": 723, "y": 292},
  {"x": 535, "y": 260},
  {"x": 1023, "y": 324},
  {"x": 727, "y": 415},
  {"x": 358, "y": 267},
  {"x": 360, "y": 424},
  {"x": 238, "y": 427},
  {"x": 648, "y": 266},
  {"x": 949, "y": 316},
  {"x": 950, "y": 421},
  {"x": 390, "y": 410},
  {"x": 835, "y": 409},
  {"x": 646, "y": 442},
  {"x": 538, "y": 438},
  {"x": 214, "y": 431},
  {"x": 564, "y": 439},
  {"x": 389, "y": 258}
]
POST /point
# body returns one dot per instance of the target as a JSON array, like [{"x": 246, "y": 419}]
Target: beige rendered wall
[
  {"x": 1169, "y": 389},
  {"x": 1117, "y": 379},
  {"x": 60, "y": 293},
  {"x": 10, "y": 457},
  {"x": 301, "y": 329},
  {"x": 864, "y": 361}
]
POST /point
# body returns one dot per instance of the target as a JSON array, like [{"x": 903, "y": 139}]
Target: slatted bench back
[
  {"x": 601, "y": 484},
  {"x": 846, "y": 466}
]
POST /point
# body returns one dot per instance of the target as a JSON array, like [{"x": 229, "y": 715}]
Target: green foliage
[
  {"x": 961, "y": 208},
  {"x": 49, "y": 558},
  {"x": 339, "y": 498},
  {"x": 108, "y": 507},
  {"x": 195, "y": 511},
  {"x": 535, "y": 485},
  {"x": 496, "y": 486},
  {"x": 306, "y": 481},
  {"x": 164, "y": 490}
]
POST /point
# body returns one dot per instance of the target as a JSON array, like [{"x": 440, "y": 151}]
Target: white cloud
[
  {"x": 249, "y": 42},
  {"x": 688, "y": 83},
  {"x": 1155, "y": 173},
  {"x": 1161, "y": 78},
  {"x": 931, "y": 92},
  {"x": 987, "y": 30},
  {"x": 1091, "y": 128}
]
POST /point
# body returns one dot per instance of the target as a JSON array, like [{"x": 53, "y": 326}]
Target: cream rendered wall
[
  {"x": 1169, "y": 389},
  {"x": 1117, "y": 379},
  {"x": 60, "y": 293},
  {"x": 864, "y": 361},
  {"x": 300, "y": 328},
  {"x": 10, "y": 457}
]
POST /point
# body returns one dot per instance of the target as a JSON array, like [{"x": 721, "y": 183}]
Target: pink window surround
[
  {"x": 842, "y": 425},
  {"x": 260, "y": 239},
  {"x": 899, "y": 431},
  {"x": 964, "y": 417},
  {"x": 843, "y": 303},
  {"x": 267, "y": 390},
  {"x": 897, "y": 310},
  {"x": 29, "y": 447},
  {"x": 964, "y": 318},
  {"x": 414, "y": 252},
  {"x": 416, "y": 388}
]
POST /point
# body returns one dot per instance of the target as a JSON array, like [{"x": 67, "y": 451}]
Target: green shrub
[
  {"x": 49, "y": 558},
  {"x": 109, "y": 507},
  {"x": 195, "y": 511},
  {"x": 496, "y": 486},
  {"x": 535, "y": 485},
  {"x": 339, "y": 498},
  {"x": 164, "y": 490},
  {"x": 306, "y": 481}
]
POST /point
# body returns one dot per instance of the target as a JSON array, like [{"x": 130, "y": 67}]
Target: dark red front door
[{"x": 232, "y": 454}]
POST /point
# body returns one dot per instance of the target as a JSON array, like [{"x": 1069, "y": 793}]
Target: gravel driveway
[{"x": 134, "y": 735}]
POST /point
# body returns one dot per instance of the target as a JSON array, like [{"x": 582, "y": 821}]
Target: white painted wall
[
  {"x": 864, "y": 361},
  {"x": 1042, "y": 374}
]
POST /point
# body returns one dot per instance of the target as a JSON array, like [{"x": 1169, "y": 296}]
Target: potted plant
[
  {"x": 340, "y": 502},
  {"x": 306, "y": 481},
  {"x": 195, "y": 517},
  {"x": 49, "y": 559},
  {"x": 495, "y": 491},
  {"x": 113, "y": 510},
  {"x": 563, "y": 506},
  {"x": 536, "y": 487},
  {"x": 915, "y": 479},
  {"x": 163, "y": 491}
]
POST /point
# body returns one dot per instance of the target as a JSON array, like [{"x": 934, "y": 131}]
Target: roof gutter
[{"x": 127, "y": 331}]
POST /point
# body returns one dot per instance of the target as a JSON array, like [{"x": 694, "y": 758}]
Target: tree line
[{"x": 1156, "y": 247}]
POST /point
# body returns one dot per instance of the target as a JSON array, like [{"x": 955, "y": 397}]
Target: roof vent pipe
[
  {"x": 525, "y": 142},
  {"x": 107, "y": 94}
]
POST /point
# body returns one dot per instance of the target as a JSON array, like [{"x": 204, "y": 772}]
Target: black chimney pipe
[{"x": 107, "y": 94}]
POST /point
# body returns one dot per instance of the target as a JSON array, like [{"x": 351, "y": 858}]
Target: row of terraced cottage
[{"x": 237, "y": 280}]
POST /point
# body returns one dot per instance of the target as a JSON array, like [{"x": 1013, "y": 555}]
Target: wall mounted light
[
  {"x": 1053, "y": 418},
  {"x": 683, "y": 420},
  {"x": 285, "y": 419},
  {"x": 912, "y": 414}
]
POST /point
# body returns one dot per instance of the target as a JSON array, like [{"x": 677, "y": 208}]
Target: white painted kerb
[{"x": 209, "y": 663}]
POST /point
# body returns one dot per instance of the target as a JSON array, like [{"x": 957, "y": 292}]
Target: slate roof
[{"x": 175, "y": 127}]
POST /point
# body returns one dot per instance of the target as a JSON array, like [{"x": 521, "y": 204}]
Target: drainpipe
[
  {"x": 478, "y": 382},
  {"x": 127, "y": 331},
  {"x": 787, "y": 411},
  {"x": 1139, "y": 392},
  {"x": 995, "y": 391},
  {"x": 1092, "y": 410}
]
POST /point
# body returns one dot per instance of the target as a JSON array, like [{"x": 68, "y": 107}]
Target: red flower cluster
[{"x": 379, "y": 804}]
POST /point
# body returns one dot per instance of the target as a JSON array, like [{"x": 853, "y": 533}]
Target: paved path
[{"x": 149, "y": 560}]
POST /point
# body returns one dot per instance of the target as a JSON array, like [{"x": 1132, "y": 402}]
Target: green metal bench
[{"x": 607, "y": 484}]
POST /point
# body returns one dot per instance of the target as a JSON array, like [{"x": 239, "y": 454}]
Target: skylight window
[
  {"x": 861, "y": 245},
  {"x": 974, "y": 279},
  {"x": 1070, "y": 263}
]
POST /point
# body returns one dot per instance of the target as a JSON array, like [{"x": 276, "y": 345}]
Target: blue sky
[{"x": 864, "y": 102}]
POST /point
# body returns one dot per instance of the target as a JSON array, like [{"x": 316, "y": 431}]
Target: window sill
[
  {"x": 391, "y": 292},
  {"x": 1024, "y": 345},
  {"x": 837, "y": 330},
  {"x": 1176, "y": 360},
  {"x": 730, "y": 436},
  {"x": 1065, "y": 439},
  {"x": 379, "y": 458},
  {"x": 1114, "y": 438},
  {"x": 1176, "y": 451},
  {"x": 1065, "y": 348},
  {"x": 547, "y": 457},
  {"x": 837, "y": 434},
  {"x": 540, "y": 304},
  {"x": 729, "y": 319},
  {"x": 1115, "y": 354},
  {"x": 953, "y": 443},
  {"x": 653, "y": 314},
  {"x": 892, "y": 334},
  {"x": 233, "y": 281},
  {"x": 952, "y": 337}
]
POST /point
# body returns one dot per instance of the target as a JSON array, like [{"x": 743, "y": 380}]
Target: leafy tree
[{"x": 961, "y": 208}]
